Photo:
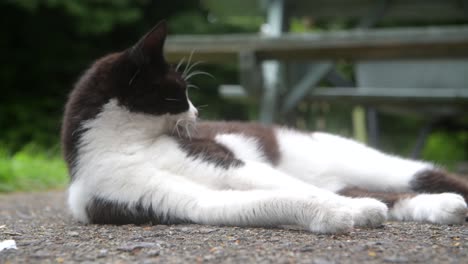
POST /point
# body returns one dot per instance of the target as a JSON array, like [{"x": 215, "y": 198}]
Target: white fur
[
  {"x": 128, "y": 158},
  {"x": 334, "y": 162},
  {"x": 443, "y": 208},
  {"x": 245, "y": 148}
]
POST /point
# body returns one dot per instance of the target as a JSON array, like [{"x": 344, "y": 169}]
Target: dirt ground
[{"x": 45, "y": 233}]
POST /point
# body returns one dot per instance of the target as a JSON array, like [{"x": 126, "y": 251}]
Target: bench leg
[
  {"x": 372, "y": 127},
  {"x": 424, "y": 133}
]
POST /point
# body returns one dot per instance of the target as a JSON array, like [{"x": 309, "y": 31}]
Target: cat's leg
[
  {"x": 273, "y": 208},
  {"x": 253, "y": 175},
  {"x": 333, "y": 162},
  {"x": 223, "y": 170},
  {"x": 439, "y": 181},
  {"x": 440, "y": 208},
  {"x": 169, "y": 198},
  {"x": 337, "y": 163}
]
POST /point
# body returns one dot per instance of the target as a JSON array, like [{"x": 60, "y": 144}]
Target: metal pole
[{"x": 271, "y": 69}]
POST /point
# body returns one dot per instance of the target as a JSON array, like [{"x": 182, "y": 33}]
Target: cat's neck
[{"x": 115, "y": 123}]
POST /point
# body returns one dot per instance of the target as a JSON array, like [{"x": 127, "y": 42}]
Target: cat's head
[
  {"x": 136, "y": 85},
  {"x": 144, "y": 82}
]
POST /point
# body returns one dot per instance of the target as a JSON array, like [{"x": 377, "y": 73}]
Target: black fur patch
[
  {"x": 439, "y": 181},
  {"x": 388, "y": 198},
  {"x": 210, "y": 151},
  {"x": 91, "y": 93},
  {"x": 264, "y": 135},
  {"x": 102, "y": 211}
]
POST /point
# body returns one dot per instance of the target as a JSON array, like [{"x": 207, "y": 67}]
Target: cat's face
[{"x": 146, "y": 83}]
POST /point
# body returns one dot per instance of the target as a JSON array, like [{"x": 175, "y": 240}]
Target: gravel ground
[{"x": 45, "y": 233}]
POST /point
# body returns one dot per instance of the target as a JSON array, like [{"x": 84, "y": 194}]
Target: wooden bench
[
  {"x": 425, "y": 42},
  {"x": 355, "y": 45},
  {"x": 261, "y": 58}
]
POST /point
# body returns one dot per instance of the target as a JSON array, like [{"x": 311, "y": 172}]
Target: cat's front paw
[
  {"x": 444, "y": 208},
  {"x": 332, "y": 220},
  {"x": 368, "y": 212}
]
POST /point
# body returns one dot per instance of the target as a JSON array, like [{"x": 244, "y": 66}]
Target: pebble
[
  {"x": 207, "y": 230},
  {"x": 396, "y": 259},
  {"x": 102, "y": 253},
  {"x": 153, "y": 253},
  {"x": 322, "y": 261},
  {"x": 133, "y": 246},
  {"x": 307, "y": 249},
  {"x": 73, "y": 233}
]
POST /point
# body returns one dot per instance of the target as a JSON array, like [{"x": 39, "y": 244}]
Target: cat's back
[{"x": 84, "y": 103}]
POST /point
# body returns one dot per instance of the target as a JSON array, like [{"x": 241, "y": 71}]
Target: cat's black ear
[{"x": 150, "y": 46}]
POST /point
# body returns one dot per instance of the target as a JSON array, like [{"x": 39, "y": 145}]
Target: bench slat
[
  {"x": 403, "y": 96},
  {"x": 433, "y": 42}
]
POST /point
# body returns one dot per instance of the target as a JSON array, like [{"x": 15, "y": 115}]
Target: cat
[{"x": 137, "y": 154}]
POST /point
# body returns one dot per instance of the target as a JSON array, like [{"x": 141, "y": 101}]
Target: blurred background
[{"x": 47, "y": 44}]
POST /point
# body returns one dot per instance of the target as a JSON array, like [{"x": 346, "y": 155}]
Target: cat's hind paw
[
  {"x": 443, "y": 208},
  {"x": 368, "y": 212}
]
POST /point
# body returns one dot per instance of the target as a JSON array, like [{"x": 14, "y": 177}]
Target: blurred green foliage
[
  {"x": 447, "y": 149},
  {"x": 48, "y": 43},
  {"x": 32, "y": 167},
  {"x": 88, "y": 16}
]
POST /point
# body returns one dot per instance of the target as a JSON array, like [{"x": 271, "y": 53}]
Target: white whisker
[
  {"x": 179, "y": 64},
  {"x": 188, "y": 130},
  {"x": 134, "y": 76},
  {"x": 176, "y": 127},
  {"x": 193, "y": 86},
  {"x": 195, "y": 73},
  {"x": 193, "y": 66},
  {"x": 188, "y": 63}
]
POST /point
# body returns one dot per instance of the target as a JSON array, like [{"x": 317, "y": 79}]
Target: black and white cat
[{"x": 130, "y": 163}]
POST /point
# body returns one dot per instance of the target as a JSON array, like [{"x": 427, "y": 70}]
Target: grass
[{"x": 32, "y": 169}]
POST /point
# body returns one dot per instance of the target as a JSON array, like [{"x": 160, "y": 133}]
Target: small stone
[
  {"x": 161, "y": 226},
  {"x": 306, "y": 249},
  {"x": 133, "y": 246},
  {"x": 153, "y": 253},
  {"x": 12, "y": 233},
  {"x": 185, "y": 229},
  {"x": 73, "y": 233},
  {"x": 207, "y": 230},
  {"x": 102, "y": 253},
  {"x": 208, "y": 257},
  {"x": 41, "y": 255},
  {"x": 321, "y": 261},
  {"x": 395, "y": 259}
]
